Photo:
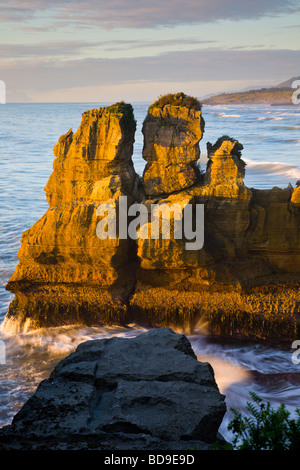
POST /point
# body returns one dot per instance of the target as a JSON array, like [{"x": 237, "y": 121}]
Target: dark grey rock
[{"x": 148, "y": 392}]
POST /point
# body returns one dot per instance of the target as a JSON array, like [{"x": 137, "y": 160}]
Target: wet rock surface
[{"x": 148, "y": 392}]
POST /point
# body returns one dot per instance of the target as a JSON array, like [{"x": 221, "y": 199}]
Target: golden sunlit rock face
[
  {"x": 66, "y": 274},
  {"x": 295, "y": 199},
  {"x": 225, "y": 170},
  {"x": 101, "y": 148},
  {"x": 244, "y": 281},
  {"x": 171, "y": 148}
]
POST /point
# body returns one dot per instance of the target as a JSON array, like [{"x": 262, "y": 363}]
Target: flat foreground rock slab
[{"x": 143, "y": 393}]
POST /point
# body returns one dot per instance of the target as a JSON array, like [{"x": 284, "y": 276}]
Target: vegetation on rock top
[
  {"x": 177, "y": 99},
  {"x": 235, "y": 151},
  {"x": 121, "y": 108}
]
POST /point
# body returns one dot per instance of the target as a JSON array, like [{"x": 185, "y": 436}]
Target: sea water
[{"x": 28, "y": 132}]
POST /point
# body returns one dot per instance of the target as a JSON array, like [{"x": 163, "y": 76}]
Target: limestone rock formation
[
  {"x": 172, "y": 131},
  {"x": 295, "y": 199},
  {"x": 143, "y": 393},
  {"x": 223, "y": 262},
  {"x": 225, "y": 170},
  {"x": 102, "y": 147},
  {"x": 245, "y": 279},
  {"x": 66, "y": 274}
]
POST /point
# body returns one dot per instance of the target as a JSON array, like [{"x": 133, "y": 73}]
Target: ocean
[{"x": 28, "y": 132}]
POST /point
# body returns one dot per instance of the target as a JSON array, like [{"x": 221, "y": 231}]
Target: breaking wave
[
  {"x": 269, "y": 118},
  {"x": 277, "y": 168},
  {"x": 229, "y": 115}
]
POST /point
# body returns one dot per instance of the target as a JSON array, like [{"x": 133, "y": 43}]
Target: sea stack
[
  {"x": 66, "y": 274},
  {"x": 172, "y": 130},
  {"x": 225, "y": 170},
  {"x": 243, "y": 281}
]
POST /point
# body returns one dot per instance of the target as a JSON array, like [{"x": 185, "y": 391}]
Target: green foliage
[
  {"x": 266, "y": 428},
  {"x": 235, "y": 151},
  {"x": 117, "y": 107},
  {"x": 177, "y": 99},
  {"x": 221, "y": 446},
  {"x": 121, "y": 108}
]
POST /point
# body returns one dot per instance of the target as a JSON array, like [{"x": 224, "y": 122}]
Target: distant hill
[
  {"x": 276, "y": 95},
  {"x": 287, "y": 83}
]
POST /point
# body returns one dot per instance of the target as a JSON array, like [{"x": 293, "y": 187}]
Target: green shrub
[
  {"x": 266, "y": 429},
  {"x": 177, "y": 99}
]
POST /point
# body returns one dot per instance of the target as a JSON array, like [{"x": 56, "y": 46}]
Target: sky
[{"x": 136, "y": 50}]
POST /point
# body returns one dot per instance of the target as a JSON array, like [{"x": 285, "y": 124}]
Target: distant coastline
[{"x": 272, "y": 96}]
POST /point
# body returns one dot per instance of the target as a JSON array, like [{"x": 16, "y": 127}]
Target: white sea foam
[
  {"x": 288, "y": 114},
  {"x": 236, "y": 369},
  {"x": 266, "y": 167},
  {"x": 57, "y": 340},
  {"x": 278, "y": 168},
  {"x": 229, "y": 115}
]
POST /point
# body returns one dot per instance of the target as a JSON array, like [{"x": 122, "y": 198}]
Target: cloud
[
  {"x": 212, "y": 64},
  {"x": 142, "y": 13},
  {"x": 44, "y": 49},
  {"x": 72, "y": 48},
  {"x": 137, "y": 44}
]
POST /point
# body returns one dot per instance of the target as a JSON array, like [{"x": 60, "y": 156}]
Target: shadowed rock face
[
  {"x": 122, "y": 393},
  {"x": 243, "y": 282}
]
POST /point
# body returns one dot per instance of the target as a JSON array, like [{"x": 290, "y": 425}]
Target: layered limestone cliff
[
  {"x": 101, "y": 148},
  {"x": 172, "y": 132},
  {"x": 66, "y": 274},
  {"x": 243, "y": 281}
]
